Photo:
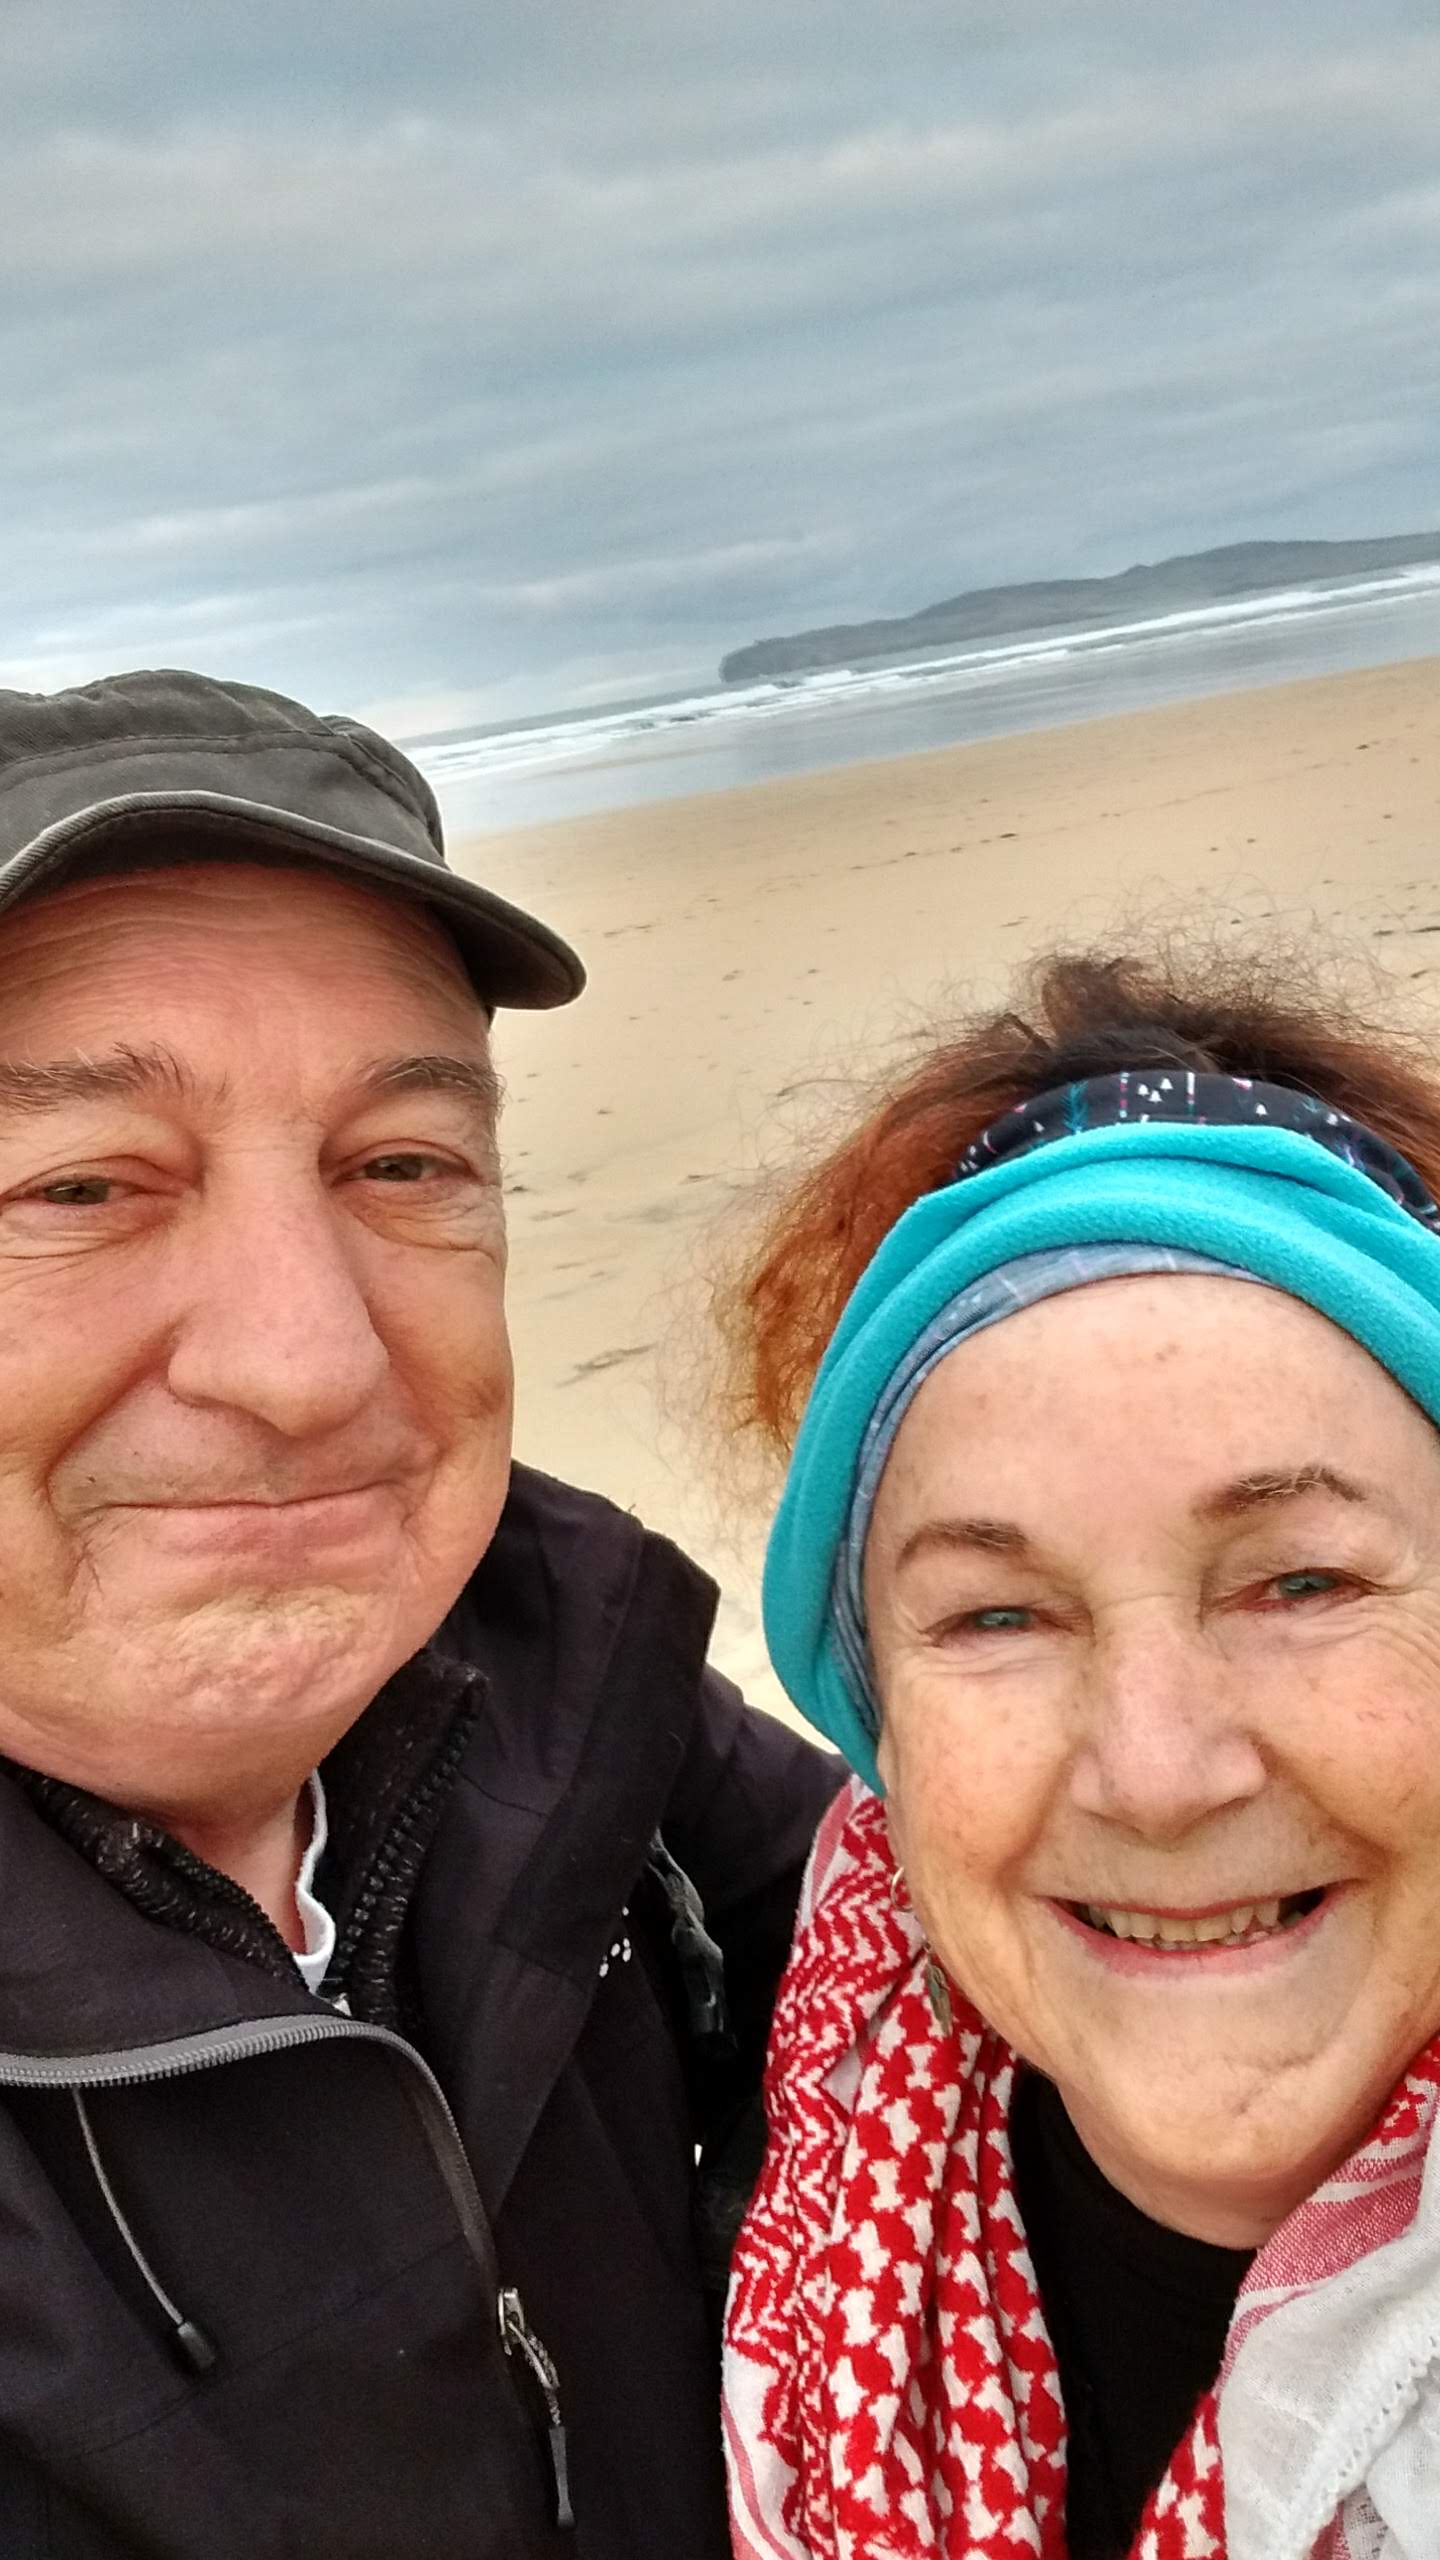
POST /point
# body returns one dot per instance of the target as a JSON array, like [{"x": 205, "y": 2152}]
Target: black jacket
[{"x": 254, "y": 2251}]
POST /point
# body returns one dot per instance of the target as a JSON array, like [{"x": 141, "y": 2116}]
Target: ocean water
[{"x": 714, "y": 741}]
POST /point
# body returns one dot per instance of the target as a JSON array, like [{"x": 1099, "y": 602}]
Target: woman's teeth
[{"x": 1248, "y": 1922}]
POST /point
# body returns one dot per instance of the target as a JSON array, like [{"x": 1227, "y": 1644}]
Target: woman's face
[{"x": 1153, "y": 1585}]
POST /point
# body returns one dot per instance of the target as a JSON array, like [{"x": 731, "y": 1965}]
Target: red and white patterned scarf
[{"x": 891, "y": 2391}]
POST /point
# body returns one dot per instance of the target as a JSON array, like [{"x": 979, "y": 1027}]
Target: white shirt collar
[{"x": 314, "y": 1959}]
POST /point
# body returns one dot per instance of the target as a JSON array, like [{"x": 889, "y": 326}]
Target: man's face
[{"x": 255, "y": 1387}]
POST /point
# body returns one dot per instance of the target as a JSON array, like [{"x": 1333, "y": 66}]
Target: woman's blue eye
[{"x": 997, "y": 1621}]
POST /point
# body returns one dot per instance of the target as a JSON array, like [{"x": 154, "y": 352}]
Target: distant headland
[{"x": 1151, "y": 588}]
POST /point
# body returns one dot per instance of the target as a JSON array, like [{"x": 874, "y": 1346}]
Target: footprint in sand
[{"x": 608, "y": 1360}]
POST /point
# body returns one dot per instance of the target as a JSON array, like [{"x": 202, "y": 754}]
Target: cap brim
[{"x": 512, "y": 958}]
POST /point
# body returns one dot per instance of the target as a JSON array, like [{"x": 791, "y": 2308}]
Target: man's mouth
[
  {"x": 1240, "y": 1924},
  {"x": 210, "y": 1500}
]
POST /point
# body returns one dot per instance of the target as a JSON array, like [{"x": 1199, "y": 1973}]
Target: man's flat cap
[{"x": 164, "y": 766}]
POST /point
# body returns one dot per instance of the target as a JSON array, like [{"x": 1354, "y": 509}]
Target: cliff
[{"x": 1193, "y": 579}]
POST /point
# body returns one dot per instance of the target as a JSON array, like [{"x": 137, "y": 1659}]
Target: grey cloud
[{"x": 351, "y": 351}]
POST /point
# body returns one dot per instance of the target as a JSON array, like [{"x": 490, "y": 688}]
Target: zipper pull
[{"x": 518, "y": 2338}]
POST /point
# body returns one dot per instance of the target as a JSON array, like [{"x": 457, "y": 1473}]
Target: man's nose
[
  {"x": 277, "y": 1324},
  {"x": 1165, "y": 1743}
]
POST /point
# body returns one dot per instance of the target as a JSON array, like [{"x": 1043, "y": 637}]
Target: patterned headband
[
  {"x": 1169, "y": 1171},
  {"x": 1213, "y": 1101}
]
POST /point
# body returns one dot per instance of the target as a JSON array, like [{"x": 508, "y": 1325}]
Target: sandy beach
[{"x": 743, "y": 944}]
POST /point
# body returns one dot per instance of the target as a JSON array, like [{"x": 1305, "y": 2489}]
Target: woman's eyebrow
[
  {"x": 1275, "y": 1485},
  {"x": 1254, "y": 1492},
  {"x": 976, "y": 1537}
]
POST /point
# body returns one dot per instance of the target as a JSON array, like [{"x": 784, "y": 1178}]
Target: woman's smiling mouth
[{"x": 1222, "y": 1929}]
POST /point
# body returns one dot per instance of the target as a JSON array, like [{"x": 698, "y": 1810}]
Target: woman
[{"x": 1096, "y": 2215}]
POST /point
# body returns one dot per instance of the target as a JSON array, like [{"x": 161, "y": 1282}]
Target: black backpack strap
[
  {"x": 729, "y": 2162},
  {"x": 700, "y": 1964}
]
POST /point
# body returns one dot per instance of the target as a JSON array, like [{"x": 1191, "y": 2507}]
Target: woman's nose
[
  {"x": 1164, "y": 1743},
  {"x": 277, "y": 1322}
]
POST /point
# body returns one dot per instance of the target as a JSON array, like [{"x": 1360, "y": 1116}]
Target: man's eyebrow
[
  {"x": 47, "y": 1084},
  {"x": 127, "y": 1072},
  {"x": 1276, "y": 1485},
  {"x": 434, "y": 1071},
  {"x": 973, "y": 1537}
]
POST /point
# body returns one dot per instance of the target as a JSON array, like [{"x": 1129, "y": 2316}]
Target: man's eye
[
  {"x": 78, "y": 1191},
  {"x": 403, "y": 1168},
  {"x": 1307, "y": 1582}
]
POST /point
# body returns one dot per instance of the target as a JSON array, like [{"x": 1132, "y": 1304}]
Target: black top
[{"x": 1137, "y": 2315}]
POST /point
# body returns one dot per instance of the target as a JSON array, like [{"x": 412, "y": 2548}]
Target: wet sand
[{"x": 744, "y": 944}]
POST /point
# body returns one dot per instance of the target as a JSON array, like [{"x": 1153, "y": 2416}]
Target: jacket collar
[
  {"x": 84, "y": 1971},
  {"x": 120, "y": 1901}
]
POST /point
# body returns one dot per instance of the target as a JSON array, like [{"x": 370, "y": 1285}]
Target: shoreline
[
  {"x": 476, "y": 848},
  {"x": 745, "y": 945},
  {"x": 626, "y": 757}
]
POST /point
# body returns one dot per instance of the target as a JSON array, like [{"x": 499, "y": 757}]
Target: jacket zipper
[
  {"x": 518, "y": 2338},
  {"x": 215, "y": 2045}
]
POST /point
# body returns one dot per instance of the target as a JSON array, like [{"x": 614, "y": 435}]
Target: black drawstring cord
[{"x": 191, "y": 2345}]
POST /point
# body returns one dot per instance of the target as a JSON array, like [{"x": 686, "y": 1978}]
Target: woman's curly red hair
[{"x": 1265, "y": 1011}]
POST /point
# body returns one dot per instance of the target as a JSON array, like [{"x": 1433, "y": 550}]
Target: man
[{"x": 356, "y": 2033}]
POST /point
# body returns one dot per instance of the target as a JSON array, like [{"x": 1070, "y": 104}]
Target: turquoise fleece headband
[{"x": 1265, "y": 1202}]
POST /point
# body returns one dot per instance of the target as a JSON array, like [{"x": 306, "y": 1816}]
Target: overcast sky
[{"x": 440, "y": 359}]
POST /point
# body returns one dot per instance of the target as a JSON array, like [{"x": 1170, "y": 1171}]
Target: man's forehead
[
  {"x": 238, "y": 897},
  {"x": 149, "y": 913},
  {"x": 189, "y": 976}
]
